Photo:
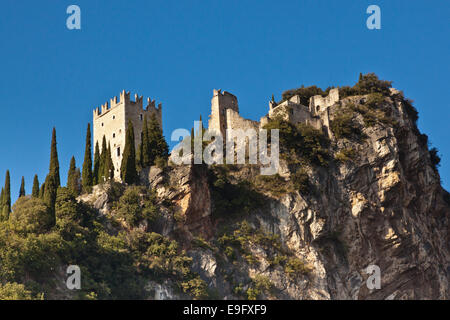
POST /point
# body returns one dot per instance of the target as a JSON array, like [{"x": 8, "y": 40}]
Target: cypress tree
[
  {"x": 42, "y": 191},
  {"x": 158, "y": 144},
  {"x": 50, "y": 191},
  {"x": 35, "y": 191},
  {"x": 7, "y": 197},
  {"x": 95, "y": 173},
  {"x": 103, "y": 159},
  {"x": 2, "y": 195},
  {"x": 146, "y": 152},
  {"x": 139, "y": 154},
  {"x": 54, "y": 163},
  {"x": 128, "y": 166},
  {"x": 73, "y": 177},
  {"x": 86, "y": 176},
  {"x": 110, "y": 164},
  {"x": 22, "y": 188}
]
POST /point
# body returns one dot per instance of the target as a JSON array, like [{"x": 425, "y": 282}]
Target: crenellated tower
[{"x": 111, "y": 119}]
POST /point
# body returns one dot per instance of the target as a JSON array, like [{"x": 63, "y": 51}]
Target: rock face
[
  {"x": 384, "y": 208},
  {"x": 187, "y": 189}
]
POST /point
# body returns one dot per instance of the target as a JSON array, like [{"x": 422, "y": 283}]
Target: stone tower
[
  {"x": 220, "y": 103},
  {"x": 111, "y": 121}
]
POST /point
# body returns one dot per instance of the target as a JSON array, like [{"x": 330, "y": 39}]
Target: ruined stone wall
[
  {"x": 291, "y": 111},
  {"x": 235, "y": 121},
  {"x": 318, "y": 103},
  {"x": 220, "y": 103}
]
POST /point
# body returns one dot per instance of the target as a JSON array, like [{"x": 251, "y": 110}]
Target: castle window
[
  {"x": 114, "y": 117},
  {"x": 140, "y": 116},
  {"x": 114, "y": 135},
  {"x": 102, "y": 124},
  {"x": 118, "y": 151},
  {"x": 318, "y": 108}
]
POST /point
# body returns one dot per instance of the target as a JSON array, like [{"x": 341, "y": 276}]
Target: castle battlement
[
  {"x": 111, "y": 120},
  {"x": 124, "y": 98}
]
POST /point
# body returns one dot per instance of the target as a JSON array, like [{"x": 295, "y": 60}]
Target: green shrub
[
  {"x": 347, "y": 154},
  {"x": 305, "y": 93},
  {"x": 239, "y": 289},
  {"x": 196, "y": 288},
  {"x": 199, "y": 242},
  {"x": 294, "y": 266},
  {"x": 115, "y": 191},
  {"x": 137, "y": 204},
  {"x": 30, "y": 215},
  {"x": 343, "y": 125},
  {"x": 278, "y": 260},
  {"x": 369, "y": 83},
  {"x": 275, "y": 184},
  {"x": 302, "y": 141},
  {"x": 374, "y": 100},
  {"x": 15, "y": 291},
  {"x": 260, "y": 285},
  {"x": 253, "y": 293}
]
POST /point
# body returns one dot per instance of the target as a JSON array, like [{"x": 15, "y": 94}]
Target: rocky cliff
[{"x": 376, "y": 199}]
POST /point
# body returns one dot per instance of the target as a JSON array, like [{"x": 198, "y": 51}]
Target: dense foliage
[
  {"x": 115, "y": 264},
  {"x": 301, "y": 142}
]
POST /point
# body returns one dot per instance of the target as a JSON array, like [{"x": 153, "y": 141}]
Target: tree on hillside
[
  {"x": 6, "y": 197},
  {"x": 86, "y": 176},
  {"x": 30, "y": 215},
  {"x": 73, "y": 178},
  {"x": 103, "y": 158},
  {"x": 128, "y": 166},
  {"x": 54, "y": 163},
  {"x": 146, "y": 153},
  {"x": 42, "y": 191},
  {"x": 2, "y": 195},
  {"x": 22, "y": 188},
  {"x": 109, "y": 164},
  {"x": 157, "y": 143},
  {"x": 51, "y": 188},
  {"x": 369, "y": 83},
  {"x": 35, "y": 191},
  {"x": 95, "y": 173}
]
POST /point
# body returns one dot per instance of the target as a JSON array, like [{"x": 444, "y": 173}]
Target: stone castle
[
  {"x": 225, "y": 112},
  {"x": 111, "y": 119}
]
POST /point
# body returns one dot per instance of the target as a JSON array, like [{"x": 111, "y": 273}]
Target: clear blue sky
[{"x": 178, "y": 51}]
